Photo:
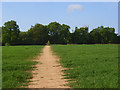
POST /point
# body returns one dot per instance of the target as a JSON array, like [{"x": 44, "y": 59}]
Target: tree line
[{"x": 56, "y": 33}]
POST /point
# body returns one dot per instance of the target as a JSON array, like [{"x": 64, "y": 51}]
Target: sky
[{"x": 74, "y": 14}]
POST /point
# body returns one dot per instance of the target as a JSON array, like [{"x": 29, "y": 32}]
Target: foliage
[
  {"x": 10, "y": 32},
  {"x": 16, "y": 62},
  {"x": 24, "y": 38},
  {"x": 80, "y": 36},
  {"x": 38, "y": 34},
  {"x": 103, "y": 35},
  {"x": 57, "y": 34},
  {"x": 89, "y": 66},
  {"x": 48, "y": 43},
  {"x": 7, "y": 44}
]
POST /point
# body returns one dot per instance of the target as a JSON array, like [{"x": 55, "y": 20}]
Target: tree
[
  {"x": 38, "y": 34},
  {"x": 108, "y": 35},
  {"x": 10, "y": 33},
  {"x": 64, "y": 34},
  {"x": 58, "y": 34},
  {"x": 54, "y": 29},
  {"x": 118, "y": 39},
  {"x": 81, "y": 36},
  {"x": 95, "y": 35},
  {"x": 24, "y": 38},
  {"x": 103, "y": 35}
]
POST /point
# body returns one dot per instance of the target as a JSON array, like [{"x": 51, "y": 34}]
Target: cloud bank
[{"x": 73, "y": 7}]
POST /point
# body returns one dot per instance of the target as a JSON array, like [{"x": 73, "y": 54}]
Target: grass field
[
  {"x": 16, "y": 62},
  {"x": 89, "y": 66}
]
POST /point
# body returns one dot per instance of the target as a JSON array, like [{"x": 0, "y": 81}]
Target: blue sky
[{"x": 74, "y": 14}]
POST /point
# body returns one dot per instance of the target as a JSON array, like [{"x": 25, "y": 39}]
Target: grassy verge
[
  {"x": 89, "y": 66},
  {"x": 16, "y": 62}
]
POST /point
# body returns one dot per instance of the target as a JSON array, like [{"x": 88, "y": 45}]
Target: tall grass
[
  {"x": 89, "y": 66},
  {"x": 16, "y": 64}
]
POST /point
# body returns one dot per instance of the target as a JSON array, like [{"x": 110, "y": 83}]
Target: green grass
[
  {"x": 89, "y": 66},
  {"x": 16, "y": 64}
]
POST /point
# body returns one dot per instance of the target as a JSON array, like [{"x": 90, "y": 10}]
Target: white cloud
[{"x": 73, "y": 7}]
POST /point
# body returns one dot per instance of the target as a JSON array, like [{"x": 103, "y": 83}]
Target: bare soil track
[{"x": 48, "y": 73}]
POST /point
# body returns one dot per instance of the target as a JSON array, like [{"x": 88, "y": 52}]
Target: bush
[
  {"x": 7, "y": 44},
  {"x": 48, "y": 43}
]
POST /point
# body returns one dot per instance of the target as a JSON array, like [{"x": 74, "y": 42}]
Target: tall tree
[
  {"x": 59, "y": 34},
  {"x": 24, "y": 38},
  {"x": 95, "y": 35},
  {"x": 38, "y": 34},
  {"x": 54, "y": 29},
  {"x": 108, "y": 35},
  {"x": 65, "y": 34},
  {"x": 118, "y": 39},
  {"x": 103, "y": 35},
  {"x": 81, "y": 35},
  {"x": 56, "y": 34},
  {"x": 10, "y": 33}
]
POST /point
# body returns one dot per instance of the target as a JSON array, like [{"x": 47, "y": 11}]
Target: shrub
[
  {"x": 7, "y": 44},
  {"x": 48, "y": 43}
]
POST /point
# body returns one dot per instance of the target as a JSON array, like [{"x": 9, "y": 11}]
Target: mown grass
[
  {"x": 16, "y": 64},
  {"x": 89, "y": 66}
]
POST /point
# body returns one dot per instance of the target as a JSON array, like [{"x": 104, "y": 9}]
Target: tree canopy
[
  {"x": 56, "y": 33},
  {"x": 10, "y": 33}
]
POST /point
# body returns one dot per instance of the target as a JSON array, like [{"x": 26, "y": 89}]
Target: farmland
[
  {"x": 89, "y": 66},
  {"x": 16, "y": 62}
]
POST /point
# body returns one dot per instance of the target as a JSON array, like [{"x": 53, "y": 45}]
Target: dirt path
[{"x": 48, "y": 72}]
